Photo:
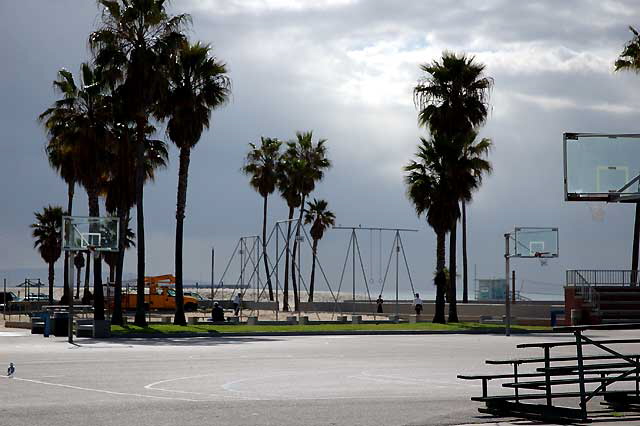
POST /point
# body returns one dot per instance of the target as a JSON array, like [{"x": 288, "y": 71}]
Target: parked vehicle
[{"x": 159, "y": 294}]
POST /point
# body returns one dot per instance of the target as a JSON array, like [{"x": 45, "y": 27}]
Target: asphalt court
[{"x": 391, "y": 380}]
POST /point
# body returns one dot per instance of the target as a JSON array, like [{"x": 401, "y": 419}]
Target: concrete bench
[{"x": 86, "y": 327}]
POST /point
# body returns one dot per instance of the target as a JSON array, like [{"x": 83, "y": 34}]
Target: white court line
[
  {"x": 40, "y": 382},
  {"x": 151, "y": 386}
]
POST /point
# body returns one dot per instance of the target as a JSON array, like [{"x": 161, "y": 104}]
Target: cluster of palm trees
[
  {"x": 294, "y": 172},
  {"x": 449, "y": 166},
  {"x": 144, "y": 72}
]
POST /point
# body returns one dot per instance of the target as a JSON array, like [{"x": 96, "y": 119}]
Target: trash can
[{"x": 60, "y": 324}]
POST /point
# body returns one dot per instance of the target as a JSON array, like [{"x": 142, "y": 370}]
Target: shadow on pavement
[{"x": 176, "y": 341}]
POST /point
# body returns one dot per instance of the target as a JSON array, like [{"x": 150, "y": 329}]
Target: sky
[{"x": 346, "y": 69}]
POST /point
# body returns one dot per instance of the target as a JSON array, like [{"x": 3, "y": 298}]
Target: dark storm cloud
[{"x": 345, "y": 69}]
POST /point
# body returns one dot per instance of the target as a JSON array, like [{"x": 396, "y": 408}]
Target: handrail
[{"x": 601, "y": 277}]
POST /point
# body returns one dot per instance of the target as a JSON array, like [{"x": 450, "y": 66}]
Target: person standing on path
[
  {"x": 417, "y": 304},
  {"x": 237, "y": 300},
  {"x": 379, "y": 302}
]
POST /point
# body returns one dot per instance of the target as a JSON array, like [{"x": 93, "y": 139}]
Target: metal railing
[{"x": 601, "y": 277}]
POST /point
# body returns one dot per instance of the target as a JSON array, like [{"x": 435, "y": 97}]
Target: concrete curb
[{"x": 499, "y": 331}]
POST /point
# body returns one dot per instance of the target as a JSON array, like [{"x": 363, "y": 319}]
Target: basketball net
[
  {"x": 543, "y": 261},
  {"x": 597, "y": 211}
]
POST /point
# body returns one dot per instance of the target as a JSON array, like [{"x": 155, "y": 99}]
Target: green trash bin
[{"x": 60, "y": 324}]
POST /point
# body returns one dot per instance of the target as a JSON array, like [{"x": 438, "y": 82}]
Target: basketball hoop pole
[
  {"x": 507, "y": 299},
  {"x": 70, "y": 295}
]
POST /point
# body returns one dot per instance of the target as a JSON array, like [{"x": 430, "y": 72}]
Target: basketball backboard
[
  {"x": 81, "y": 233},
  {"x": 535, "y": 242},
  {"x": 601, "y": 167}
]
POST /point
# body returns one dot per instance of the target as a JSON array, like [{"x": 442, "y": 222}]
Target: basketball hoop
[{"x": 540, "y": 256}]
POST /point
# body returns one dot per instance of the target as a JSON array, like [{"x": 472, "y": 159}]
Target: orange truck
[{"x": 159, "y": 294}]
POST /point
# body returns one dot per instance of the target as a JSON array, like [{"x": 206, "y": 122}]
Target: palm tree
[
  {"x": 261, "y": 164},
  {"x": 320, "y": 218},
  {"x": 314, "y": 162},
  {"x": 60, "y": 156},
  {"x": 85, "y": 112},
  {"x": 453, "y": 98},
  {"x": 629, "y": 60},
  {"x": 429, "y": 192},
  {"x": 120, "y": 188},
  {"x": 465, "y": 166},
  {"x": 47, "y": 230},
  {"x": 135, "y": 45},
  {"x": 78, "y": 262},
  {"x": 289, "y": 170},
  {"x": 197, "y": 85}
]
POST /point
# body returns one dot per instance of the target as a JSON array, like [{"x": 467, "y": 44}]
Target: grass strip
[{"x": 241, "y": 328}]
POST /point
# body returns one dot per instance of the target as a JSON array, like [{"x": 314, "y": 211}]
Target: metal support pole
[
  {"x": 397, "y": 284},
  {"x": 507, "y": 300},
  {"x": 213, "y": 255},
  {"x": 70, "y": 296},
  {"x": 583, "y": 394},
  {"x": 277, "y": 263},
  {"x": 4, "y": 302},
  {"x": 513, "y": 286},
  {"x": 547, "y": 374},
  {"x": 353, "y": 276}
]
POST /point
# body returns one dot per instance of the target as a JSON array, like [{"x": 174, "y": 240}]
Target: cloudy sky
[{"x": 345, "y": 69}]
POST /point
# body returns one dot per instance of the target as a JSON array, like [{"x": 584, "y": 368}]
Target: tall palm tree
[
  {"x": 321, "y": 218},
  {"x": 47, "y": 230},
  {"x": 453, "y": 98},
  {"x": 135, "y": 45},
  {"x": 289, "y": 171},
  {"x": 120, "y": 188},
  {"x": 465, "y": 167},
  {"x": 429, "y": 192},
  {"x": 60, "y": 156},
  {"x": 629, "y": 60},
  {"x": 261, "y": 164},
  {"x": 197, "y": 85},
  {"x": 85, "y": 111},
  {"x": 314, "y": 162}
]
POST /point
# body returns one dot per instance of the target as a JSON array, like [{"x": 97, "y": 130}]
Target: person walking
[
  {"x": 379, "y": 302},
  {"x": 237, "y": 301},
  {"x": 417, "y": 304},
  {"x": 11, "y": 370}
]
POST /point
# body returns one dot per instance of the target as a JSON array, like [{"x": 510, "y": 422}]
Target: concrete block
[
  {"x": 234, "y": 320},
  {"x": 252, "y": 321},
  {"x": 192, "y": 320},
  {"x": 394, "y": 318},
  {"x": 292, "y": 320},
  {"x": 356, "y": 319},
  {"x": 304, "y": 320},
  {"x": 414, "y": 319},
  {"x": 101, "y": 328},
  {"x": 166, "y": 320},
  {"x": 342, "y": 319}
]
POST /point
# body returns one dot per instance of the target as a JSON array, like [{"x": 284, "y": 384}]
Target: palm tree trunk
[
  {"x": 636, "y": 246},
  {"x": 98, "y": 295},
  {"x": 183, "y": 175},
  {"x": 264, "y": 248},
  {"x": 70, "y": 191},
  {"x": 52, "y": 273},
  {"x": 296, "y": 296},
  {"x": 453, "y": 306},
  {"x": 78, "y": 272},
  {"x": 141, "y": 122},
  {"x": 313, "y": 271},
  {"x": 87, "y": 275},
  {"x": 465, "y": 279},
  {"x": 440, "y": 283},
  {"x": 116, "y": 315},
  {"x": 285, "y": 291}
]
